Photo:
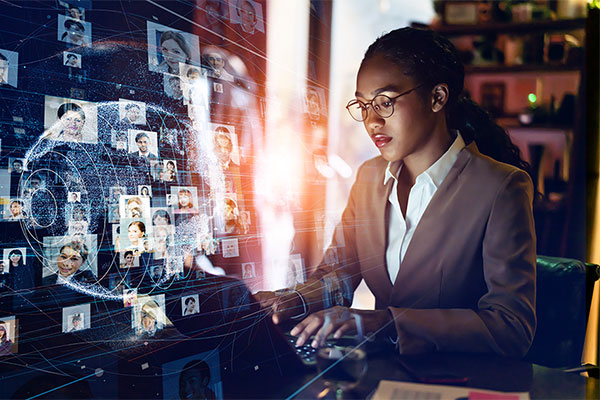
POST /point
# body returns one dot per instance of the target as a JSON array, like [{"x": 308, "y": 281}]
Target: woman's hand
[
  {"x": 283, "y": 306},
  {"x": 339, "y": 321}
]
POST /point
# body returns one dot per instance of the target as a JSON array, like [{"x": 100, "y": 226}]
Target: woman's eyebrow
[{"x": 386, "y": 88}]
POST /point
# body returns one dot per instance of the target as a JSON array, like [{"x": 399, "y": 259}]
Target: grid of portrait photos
[{"x": 127, "y": 154}]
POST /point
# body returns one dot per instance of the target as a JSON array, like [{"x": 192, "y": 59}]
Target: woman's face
[
  {"x": 192, "y": 305},
  {"x": 184, "y": 200},
  {"x": 69, "y": 261},
  {"x": 134, "y": 233},
  {"x": 410, "y": 128},
  {"x": 129, "y": 259},
  {"x": 15, "y": 258},
  {"x": 15, "y": 209},
  {"x": 148, "y": 323},
  {"x": 160, "y": 220},
  {"x": 170, "y": 166},
  {"x": 173, "y": 54},
  {"x": 72, "y": 123}
]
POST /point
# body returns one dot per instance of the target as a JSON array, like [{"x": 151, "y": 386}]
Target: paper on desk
[{"x": 417, "y": 391}]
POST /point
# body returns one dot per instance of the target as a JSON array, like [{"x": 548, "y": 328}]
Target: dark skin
[{"x": 418, "y": 135}]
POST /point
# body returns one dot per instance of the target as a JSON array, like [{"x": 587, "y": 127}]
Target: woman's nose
[{"x": 373, "y": 120}]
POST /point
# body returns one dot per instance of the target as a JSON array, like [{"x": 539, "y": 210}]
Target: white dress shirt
[{"x": 401, "y": 229}]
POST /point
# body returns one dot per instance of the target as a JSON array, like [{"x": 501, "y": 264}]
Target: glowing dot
[{"x": 532, "y": 97}]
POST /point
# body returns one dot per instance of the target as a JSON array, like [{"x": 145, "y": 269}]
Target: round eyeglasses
[{"x": 382, "y": 105}]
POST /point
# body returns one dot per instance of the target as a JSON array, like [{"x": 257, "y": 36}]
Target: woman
[
  {"x": 16, "y": 210},
  {"x": 15, "y": 259},
  {"x": 185, "y": 202},
  {"x": 129, "y": 258},
  {"x": 174, "y": 50},
  {"x": 466, "y": 283},
  {"x": 190, "y": 306},
  {"x": 161, "y": 242},
  {"x": 5, "y": 342},
  {"x": 135, "y": 232},
  {"x": 71, "y": 258},
  {"x": 170, "y": 172},
  {"x": 72, "y": 119},
  {"x": 133, "y": 207},
  {"x": 145, "y": 191},
  {"x": 161, "y": 217}
]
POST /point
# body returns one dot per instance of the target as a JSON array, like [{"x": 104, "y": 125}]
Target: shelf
[
  {"x": 499, "y": 69},
  {"x": 509, "y": 27}
]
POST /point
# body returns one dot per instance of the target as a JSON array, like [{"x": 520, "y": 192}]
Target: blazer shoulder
[
  {"x": 371, "y": 169},
  {"x": 485, "y": 169}
]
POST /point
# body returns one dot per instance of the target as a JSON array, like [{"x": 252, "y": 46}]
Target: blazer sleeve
[
  {"x": 504, "y": 320},
  {"x": 333, "y": 283}
]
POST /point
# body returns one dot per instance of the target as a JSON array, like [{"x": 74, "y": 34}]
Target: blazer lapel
[{"x": 432, "y": 216}]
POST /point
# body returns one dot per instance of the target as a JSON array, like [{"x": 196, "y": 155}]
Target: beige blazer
[{"x": 467, "y": 281}]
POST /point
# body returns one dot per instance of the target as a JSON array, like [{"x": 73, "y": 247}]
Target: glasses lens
[
  {"x": 383, "y": 105},
  {"x": 356, "y": 110}
]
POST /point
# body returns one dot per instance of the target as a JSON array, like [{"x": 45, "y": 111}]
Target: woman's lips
[{"x": 381, "y": 140}]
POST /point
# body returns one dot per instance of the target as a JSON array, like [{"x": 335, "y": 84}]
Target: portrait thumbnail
[
  {"x": 15, "y": 210},
  {"x": 14, "y": 258},
  {"x": 16, "y": 165},
  {"x": 129, "y": 297},
  {"x": 168, "y": 172},
  {"x": 148, "y": 315},
  {"x": 187, "y": 199},
  {"x": 173, "y": 86},
  {"x": 143, "y": 144},
  {"x": 74, "y": 197},
  {"x": 248, "y": 15},
  {"x": 214, "y": 60},
  {"x": 225, "y": 144},
  {"x": 8, "y": 335},
  {"x": 314, "y": 103},
  {"x": 71, "y": 59},
  {"x": 74, "y": 31},
  {"x": 193, "y": 377},
  {"x": 213, "y": 13},
  {"x": 132, "y": 112},
  {"x": 248, "y": 270},
  {"x": 167, "y": 47},
  {"x": 75, "y": 8},
  {"x": 295, "y": 270},
  {"x": 145, "y": 190},
  {"x": 230, "y": 248},
  {"x": 135, "y": 235},
  {"x": 161, "y": 216},
  {"x": 162, "y": 240},
  {"x": 193, "y": 80},
  {"x": 134, "y": 206},
  {"x": 71, "y": 258},
  {"x": 76, "y": 318},
  {"x": 70, "y": 120},
  {"x": 9, "y": 68},
  {"x": 190, "y": 305},
  {"x": 128, "y": 259}
]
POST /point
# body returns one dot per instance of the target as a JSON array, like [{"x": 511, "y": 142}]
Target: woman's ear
[{"x": 439, "y": 98}]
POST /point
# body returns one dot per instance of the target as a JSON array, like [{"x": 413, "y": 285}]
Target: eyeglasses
[{"x": 382, "y": 105}]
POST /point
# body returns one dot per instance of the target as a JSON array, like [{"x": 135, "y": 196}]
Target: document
[{"x": 417, "y": 391}]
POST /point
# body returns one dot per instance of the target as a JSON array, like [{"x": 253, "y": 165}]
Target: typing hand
[
  {"x": 282, "y": 306},
  {"x": 339, "y": 321}
]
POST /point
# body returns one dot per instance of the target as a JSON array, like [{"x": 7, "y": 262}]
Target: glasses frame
[{"x": 370, "y": 103}]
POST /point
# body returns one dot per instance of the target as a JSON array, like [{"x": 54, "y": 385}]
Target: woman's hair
[
  {"x": 161, "y": 213},
  {"x": 70, "y": 23},
  {"x": 66, "y": 107},
  {"x": 128, "y": 252},
  {"x": 145, "y": 189},
  {"x": 135, "y": 200},
  {"x": 179, "y": 39},
  {"x": 79, "y": 247},
  {"x": 430, "y": 59},
  {"x": 171, "y": 163},
  {"x": 19, "y": 202},
  {"x": 189, "y": 195},
  {"x": 189, "y": 300},
  {"x": 18, "y": 252},
  {"x": 140, "y": 225}
]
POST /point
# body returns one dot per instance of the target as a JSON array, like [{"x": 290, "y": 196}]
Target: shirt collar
[{"x": 438, "y": 170}]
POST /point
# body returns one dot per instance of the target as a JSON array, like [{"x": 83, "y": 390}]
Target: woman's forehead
[{"x": 379, "y": 75}]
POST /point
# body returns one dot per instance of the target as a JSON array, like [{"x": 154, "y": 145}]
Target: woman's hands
[
  {"x": 339, "y": 321},
  {"x": 283, "y": 306}
]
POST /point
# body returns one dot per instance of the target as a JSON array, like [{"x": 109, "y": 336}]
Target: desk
[{"x": 485, "y": 372}]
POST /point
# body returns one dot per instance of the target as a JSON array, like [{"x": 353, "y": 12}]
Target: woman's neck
[{"x": 438, "y": 143}]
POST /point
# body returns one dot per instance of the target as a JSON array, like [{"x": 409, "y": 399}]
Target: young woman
[
  {"x": 439, "y": 226},
  {"x": 5, "y": 342},
  {"x": 15, "y": 259},
  {"x": 174, "y": 50},
  {"x": 16, "y": 210},
  {"x": 72, "y": 119},
  {"x": 135, "y": 232},
  {"x": 185, "y": 202}
]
